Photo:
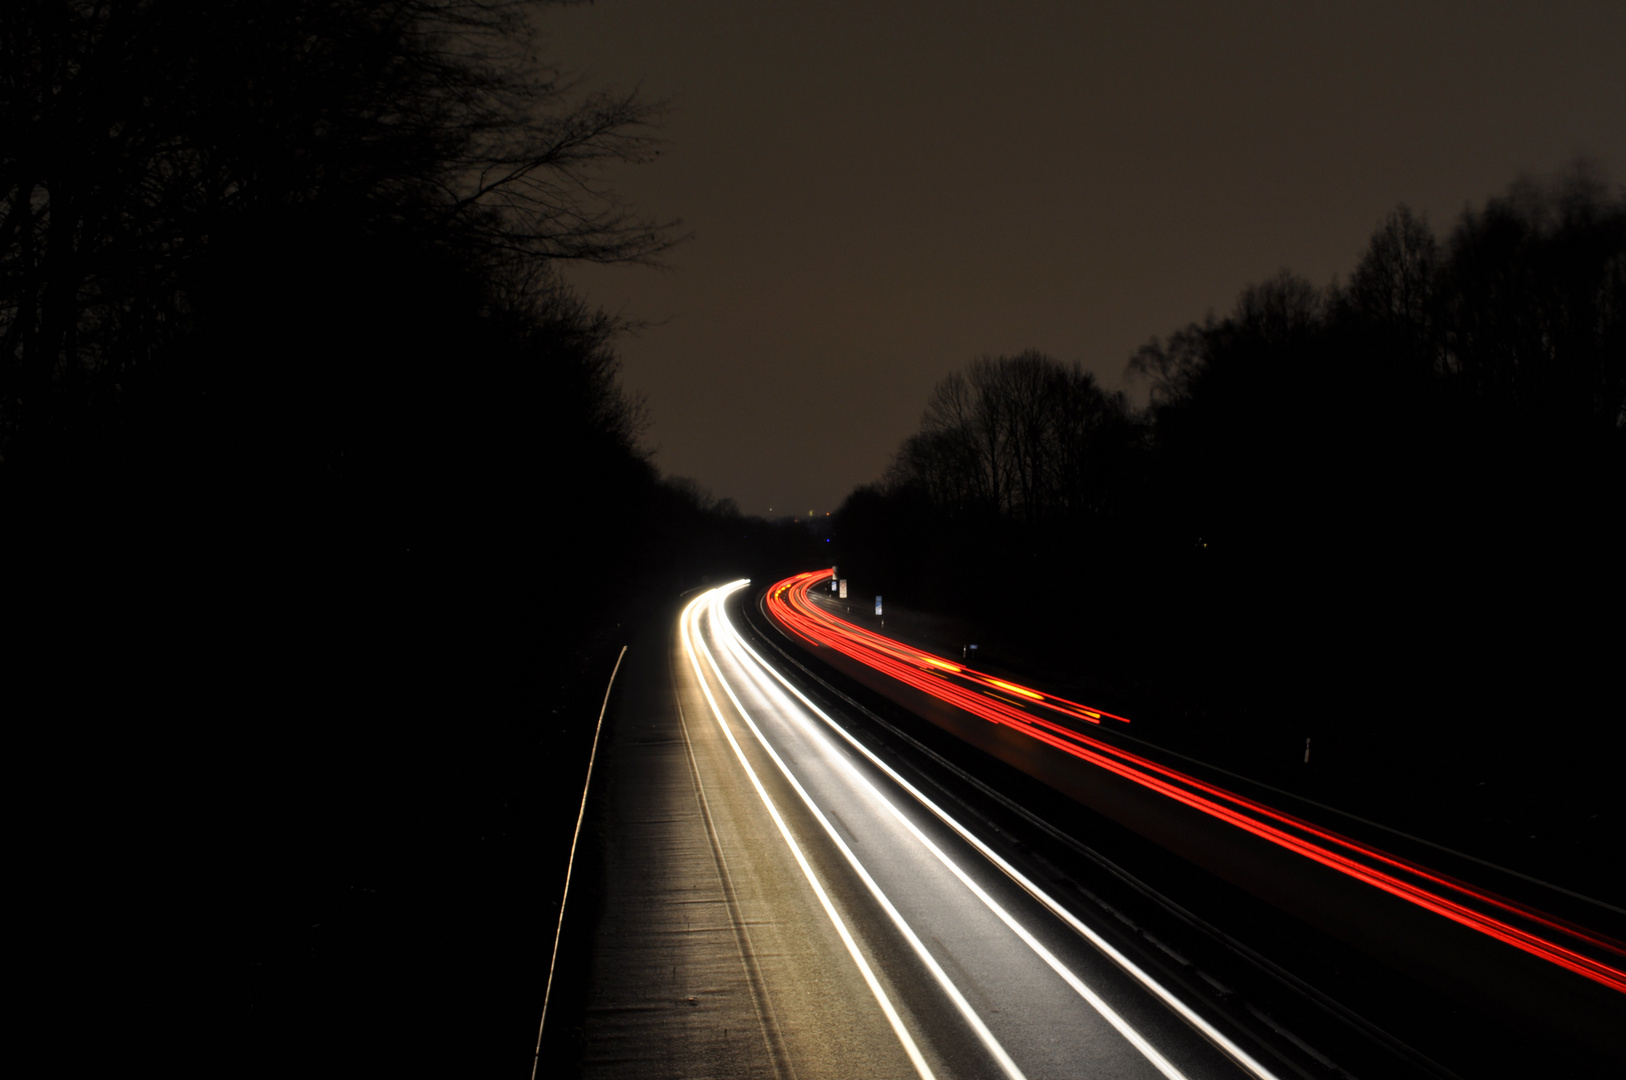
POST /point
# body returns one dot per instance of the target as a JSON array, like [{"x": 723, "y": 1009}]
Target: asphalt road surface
[{"x": 779, "y": 902}]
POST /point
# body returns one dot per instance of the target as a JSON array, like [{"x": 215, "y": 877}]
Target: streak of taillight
[{"x": 790, "y": 605}]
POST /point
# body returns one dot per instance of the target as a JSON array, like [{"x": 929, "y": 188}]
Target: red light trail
[{"x": 1001, "y": 702}]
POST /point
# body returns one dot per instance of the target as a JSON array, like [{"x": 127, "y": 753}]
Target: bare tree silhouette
[{"x": 141, "y": 137}]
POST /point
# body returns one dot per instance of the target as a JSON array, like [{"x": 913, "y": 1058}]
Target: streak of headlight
[
  {"x": 1207, "y": 1030},
  {"x": 967, "y": 1013},
  {"x": 1095, "y": 1001},
  {"x": 691, "y": 633}
]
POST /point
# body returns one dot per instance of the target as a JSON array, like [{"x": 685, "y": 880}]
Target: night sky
[{"x": 878, "y": 193}]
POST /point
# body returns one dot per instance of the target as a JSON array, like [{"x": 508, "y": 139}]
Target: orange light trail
[
  {"x": 1013, "y": 688},
  {"x": 1569, "y": 945}
]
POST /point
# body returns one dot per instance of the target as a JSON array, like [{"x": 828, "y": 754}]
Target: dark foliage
[
  {"x": 1020, "y": 460},
  {"x": 1394, "y": 506},
  {"x": 322, "y": 511}
]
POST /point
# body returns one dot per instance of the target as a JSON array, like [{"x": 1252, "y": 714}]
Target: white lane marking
[
  {"x": 571, "y": 864},
  {"x": 772, "y": 1034},
  {"x": 969, "y": 1014},
  {"x": 690, "y": 626},
  {"x": 1214, "y": 1035}
]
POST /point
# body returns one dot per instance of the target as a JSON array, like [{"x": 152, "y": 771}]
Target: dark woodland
[
  {"x": 1384, "y": 514},
  {"x": 323, "y": 516}
]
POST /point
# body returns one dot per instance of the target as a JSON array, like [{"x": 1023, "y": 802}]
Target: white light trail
[
  {"x": 689, "y": 624},
  {"x": 969, "y": 1014},
  {"x": 1241, "y": 1057}
]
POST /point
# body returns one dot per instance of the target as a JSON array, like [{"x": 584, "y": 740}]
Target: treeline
[
  {"x": 1021, "y": 438},
  {"x": 1412, "y": 484},
  {"x": 283, "y": 259},
  {"x": 281, "y": 318},
  {"x": 322, "y": 510}
]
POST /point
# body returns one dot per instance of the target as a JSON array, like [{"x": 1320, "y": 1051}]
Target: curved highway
[
  {"x": 795, "y": 886},
  {"x": 849, "y": 924}
]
